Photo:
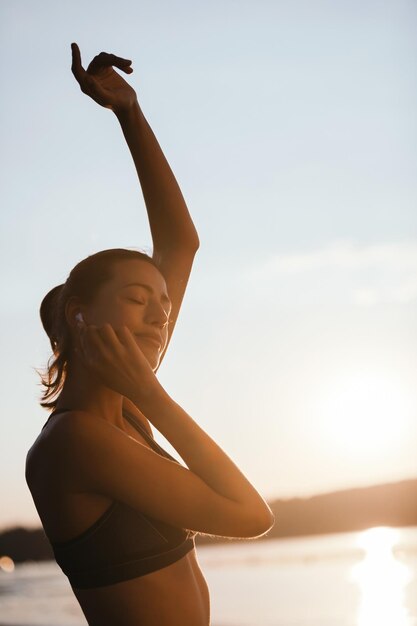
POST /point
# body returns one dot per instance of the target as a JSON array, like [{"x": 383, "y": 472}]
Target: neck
[{"x": 82, "y": 391}]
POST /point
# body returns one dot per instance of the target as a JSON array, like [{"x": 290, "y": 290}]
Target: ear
[{"x": 73, "y": 310}]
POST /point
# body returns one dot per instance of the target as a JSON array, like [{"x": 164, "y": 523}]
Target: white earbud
[{"x": 79, "y": 317}]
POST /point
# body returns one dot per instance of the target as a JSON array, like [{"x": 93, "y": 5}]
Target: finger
[
  {"x": 100, "y": 339},
  {"x": 133, "y": 349},
  {"x": 122, "y": 64},
  {"x": 76, "y": 66},
  {"x": 126, "y": 69},
  {"x": 110, "y": 337},
  {"x": 120, "y": 61},
  {"x": 90, "y": 348},
  {"x": 90, "y": 342},
  {"x": 98, "y": 64},
  {"x": 104, "y": 59},
  {"x": 128, "y": 339},
  {"x": 124, "y": 336}
]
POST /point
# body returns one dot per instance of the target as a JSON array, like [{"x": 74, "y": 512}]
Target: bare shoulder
[
  {"x": 69, "y": 443},
  {"x": 68, "y": 427},
  {"x": 45, "y": 448}
]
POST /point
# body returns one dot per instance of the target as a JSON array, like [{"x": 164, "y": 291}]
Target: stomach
[{"x": 172, "y": 596}]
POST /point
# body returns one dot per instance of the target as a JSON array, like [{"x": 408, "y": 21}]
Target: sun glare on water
[
  {"x": 366, "y": 412},
  {"x": 382, "y": 580}
]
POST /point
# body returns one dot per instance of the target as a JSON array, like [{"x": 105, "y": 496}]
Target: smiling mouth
[{"x": 151, "y": 340}]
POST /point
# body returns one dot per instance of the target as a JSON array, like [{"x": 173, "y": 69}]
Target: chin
[
  {"x": 152, "y": 353},
  {"x": 153, "y": 359}
]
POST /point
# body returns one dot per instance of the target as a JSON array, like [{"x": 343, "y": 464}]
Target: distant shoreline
[{"x": 348, "y": 510}]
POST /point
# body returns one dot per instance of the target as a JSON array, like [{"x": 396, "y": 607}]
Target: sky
[{"x": 291, "y": 129}]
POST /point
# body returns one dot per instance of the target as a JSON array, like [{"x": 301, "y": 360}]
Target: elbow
[
  {"x": 263, "y": 524},
  {"x": 195, "y": 244},
  {"x": 193, "y": 240},
  {"x": 237, "y": 521},
  {"x": 188, "y": 240},
  {"x": 257, "y": 525},
  {"x": 190, "y": 246}
]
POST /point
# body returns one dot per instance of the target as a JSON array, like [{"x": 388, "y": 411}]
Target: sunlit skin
[
  {"x": 120, "y": 302},
  {"x": 184, "y": 589},
  {"x": 182, "y": 585},
  {"x": 112, "y": 366}
]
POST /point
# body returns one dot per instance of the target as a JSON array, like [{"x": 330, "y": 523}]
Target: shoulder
[
  {"x": 43, "y": 446},
  {"x": 78, "y": 445},
  {"x": 63, "y": 423},
  {"x": 44, "y": 457},
  {"x": 56, "y": 434},
  {"x": 68, "y": 427}
]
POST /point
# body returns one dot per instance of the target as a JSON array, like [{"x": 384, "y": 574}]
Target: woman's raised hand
[
  {"x": 115, "y": 358},
  {"x": 102, "y": 83}
]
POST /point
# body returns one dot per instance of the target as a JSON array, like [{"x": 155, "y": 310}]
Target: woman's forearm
[
  {"x": 203, "y": 456},
  {"x": 170, "y": 222}
]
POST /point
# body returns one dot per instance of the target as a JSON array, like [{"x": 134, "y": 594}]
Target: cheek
[
  {"x": 128, "y": 314},
  {"x": 117, "y": 314}
]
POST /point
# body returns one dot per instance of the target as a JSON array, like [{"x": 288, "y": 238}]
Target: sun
[{"x": 366, "y": 412}]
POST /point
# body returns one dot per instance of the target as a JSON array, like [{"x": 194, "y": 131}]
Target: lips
[{"x": 152, "y": 339}]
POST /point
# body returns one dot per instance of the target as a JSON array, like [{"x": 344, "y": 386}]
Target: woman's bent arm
[
  {"x": 93, "y": 456},
  {"x": 206, "y": 459},
  {"x": 211, "y": 496}
]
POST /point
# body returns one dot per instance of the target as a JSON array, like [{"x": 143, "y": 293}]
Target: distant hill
[{"x": 391, "y": 504}]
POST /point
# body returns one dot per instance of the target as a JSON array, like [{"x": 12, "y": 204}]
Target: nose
[{"x": 156, "y": 315}]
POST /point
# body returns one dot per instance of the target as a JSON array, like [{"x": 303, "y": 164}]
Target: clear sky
[{"x": 291, "y": 129}]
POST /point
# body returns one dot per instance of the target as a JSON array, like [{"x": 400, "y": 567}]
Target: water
[{"x": 349, "y": 579}]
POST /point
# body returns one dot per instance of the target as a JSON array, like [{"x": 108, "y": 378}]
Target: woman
[{"x": 120, "y": 512}]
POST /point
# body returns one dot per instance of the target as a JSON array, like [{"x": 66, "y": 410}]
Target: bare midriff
[{"x": 176, "y": 595}]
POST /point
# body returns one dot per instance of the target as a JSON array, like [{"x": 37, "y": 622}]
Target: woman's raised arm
[
  {"x": 175, "y": 239},
  {"x": 170, "y": 222}
]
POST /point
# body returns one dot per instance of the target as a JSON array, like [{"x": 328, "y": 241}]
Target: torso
[{"x": 175, "y": 595}]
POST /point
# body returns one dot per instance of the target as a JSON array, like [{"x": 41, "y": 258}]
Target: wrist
[
  {"x": 150, "y": 401},
  {"x": 128, "y": 112}
]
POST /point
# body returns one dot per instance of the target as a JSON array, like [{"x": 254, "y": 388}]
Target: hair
[{"x": 84, "y": 281}]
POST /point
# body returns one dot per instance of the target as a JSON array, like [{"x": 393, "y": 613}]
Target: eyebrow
[{"x": 149, "y": 289}]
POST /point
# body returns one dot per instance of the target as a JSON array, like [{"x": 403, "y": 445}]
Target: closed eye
[{"x": 137, "y": 301}]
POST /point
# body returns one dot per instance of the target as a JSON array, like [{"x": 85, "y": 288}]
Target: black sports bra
[{"x": 123, "y": 543}]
